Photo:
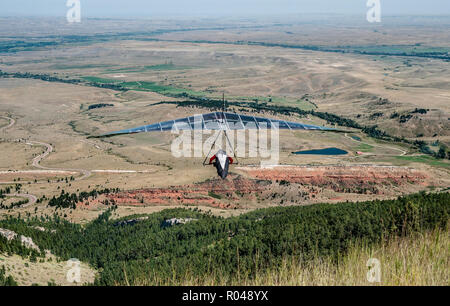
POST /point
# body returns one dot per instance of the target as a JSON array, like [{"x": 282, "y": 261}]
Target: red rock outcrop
[
  {"x": 278, "y": 185},
  {"x": 346, "y": 179}
]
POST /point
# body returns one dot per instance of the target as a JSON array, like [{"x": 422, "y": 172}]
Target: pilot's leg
[{"x": 218, "y": 167}]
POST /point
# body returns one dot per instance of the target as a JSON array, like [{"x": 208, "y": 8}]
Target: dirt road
[
  {"x": 11, "y": 123},
  {"x": 379, "y": 146},
  {"x": 49, "y": 149},
  {"x": 32, "y": 199}
]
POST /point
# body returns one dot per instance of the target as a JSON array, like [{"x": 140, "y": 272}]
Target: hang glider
[{"x": 221, "y": 121}]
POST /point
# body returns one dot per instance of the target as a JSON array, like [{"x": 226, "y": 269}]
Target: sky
[{"x": 211, "y": 8}]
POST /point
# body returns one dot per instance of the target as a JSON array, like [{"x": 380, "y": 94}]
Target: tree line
[
  {"x": 70, "y": 200},
  {"x": 226, "y": 248}
]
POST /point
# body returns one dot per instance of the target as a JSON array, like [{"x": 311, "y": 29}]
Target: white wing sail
[{"x": 220, "y": 121}]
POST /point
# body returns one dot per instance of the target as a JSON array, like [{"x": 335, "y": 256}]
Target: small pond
[{"x": 327, "y": 151}]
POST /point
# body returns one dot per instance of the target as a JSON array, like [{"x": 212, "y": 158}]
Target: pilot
[{"x": 222, "y": 163}]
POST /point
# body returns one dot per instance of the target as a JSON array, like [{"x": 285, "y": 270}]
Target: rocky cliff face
[
  {"x": 214, "y": 193},
  {"x": 283, "y": 185},
  {"x": 343, "y": 179},
  {"x": 26, "y": 241}
]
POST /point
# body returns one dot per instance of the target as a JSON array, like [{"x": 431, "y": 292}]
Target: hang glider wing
[{"x": 219, "y": 121}]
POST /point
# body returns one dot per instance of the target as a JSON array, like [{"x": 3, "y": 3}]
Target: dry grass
[
  {"x": 42, "y": 272},
  {"x": 419, "y": 260}
]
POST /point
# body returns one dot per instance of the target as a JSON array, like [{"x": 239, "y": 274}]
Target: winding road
[
  {"x": 36, "y": 162},
  {"x": 49, "y": 149},
  {"x": 11, "y": 123},
  {"x": 32, "y": 199},
  {"x": 403, "y": 153}
]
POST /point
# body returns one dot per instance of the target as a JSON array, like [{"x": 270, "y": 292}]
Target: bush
[{"x": 6, "y": 280}]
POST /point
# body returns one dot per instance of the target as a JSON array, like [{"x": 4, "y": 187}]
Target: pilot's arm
[{"x": 212, "y": 160}]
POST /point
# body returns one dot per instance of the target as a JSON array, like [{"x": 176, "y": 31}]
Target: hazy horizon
[{"x": 230, "y": 8}]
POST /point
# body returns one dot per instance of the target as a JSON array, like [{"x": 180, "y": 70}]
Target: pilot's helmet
[{"x": 221, "y": 152}]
